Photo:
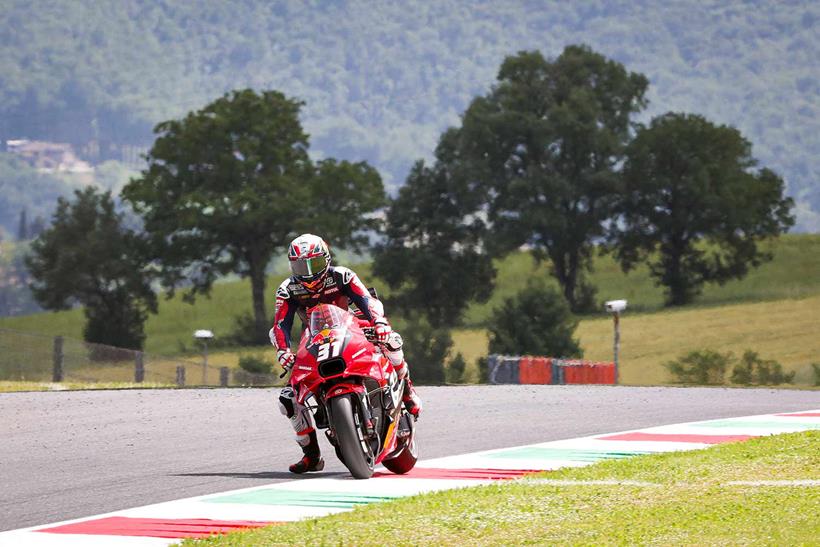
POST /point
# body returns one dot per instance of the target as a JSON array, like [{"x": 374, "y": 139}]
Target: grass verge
[
  {"x": 11, "y": 387},
  {"x": 690, "y": 500}
]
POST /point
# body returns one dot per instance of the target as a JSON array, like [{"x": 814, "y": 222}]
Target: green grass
[
  {"x": 794, "y": 275},
  {"x": 689, "y": 501}
]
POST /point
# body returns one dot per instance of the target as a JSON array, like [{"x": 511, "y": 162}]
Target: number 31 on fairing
[{"x": 329, "y": 350}]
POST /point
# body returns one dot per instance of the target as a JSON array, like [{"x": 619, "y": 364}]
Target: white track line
[
  {"x": 810, "y": 482},
  {"x": 603, "y": 482},
  {"x": 614, "y": 482}
]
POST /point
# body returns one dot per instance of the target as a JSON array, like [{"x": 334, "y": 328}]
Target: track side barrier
[
  {"x": 535, "y": 370},
  {"x": 576, "y": 371},
  {"x": 505, "y": 369}
]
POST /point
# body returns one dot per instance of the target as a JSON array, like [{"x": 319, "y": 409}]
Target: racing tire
[
  {"x": 405, "y": 461},
  {"x": 355, "y": 450}
]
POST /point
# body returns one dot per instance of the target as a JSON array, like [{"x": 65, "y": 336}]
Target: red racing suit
[{"x": 342, "y": 287}]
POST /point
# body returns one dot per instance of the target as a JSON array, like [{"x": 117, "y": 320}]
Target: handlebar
[
  {"x": 370, "y": 334},
  {"x": 368, "y": 330}
]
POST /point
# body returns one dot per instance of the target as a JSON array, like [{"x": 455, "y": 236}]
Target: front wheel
[{"x": 355, "y": 449}]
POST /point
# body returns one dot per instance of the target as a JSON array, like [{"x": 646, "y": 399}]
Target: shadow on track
[{"x": 266, "y": 475}]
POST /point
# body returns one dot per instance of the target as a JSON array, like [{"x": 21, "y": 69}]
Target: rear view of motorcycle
[{"x": 354, "y": 393}]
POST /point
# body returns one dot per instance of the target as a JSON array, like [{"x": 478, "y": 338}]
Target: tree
[
  {"x": 22, "y": 227},
  {"x": 86, "y": 256},
  {"x": 37, "y": 226},
  {"x": 765, "y": 372},
  {"x": 230, "y": 185},
  {"x": 693, "y": 206},
  {"x": 537, "y": 321},
  {"x": 701, "y": 367},
  {"x": 455, "y": 369},
  {"x": 546, "y": 143},
  {"x": 425, "y": 348},
  {"x": 432, "y": 255}
]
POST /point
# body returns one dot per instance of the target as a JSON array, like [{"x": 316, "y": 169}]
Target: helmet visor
[{"x": 308, "y": 267}]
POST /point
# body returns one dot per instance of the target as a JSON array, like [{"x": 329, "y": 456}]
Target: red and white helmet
[{"x": 309, "y": 258}]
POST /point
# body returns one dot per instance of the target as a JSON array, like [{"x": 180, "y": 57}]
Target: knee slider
[{"x": 286, "y": 398}]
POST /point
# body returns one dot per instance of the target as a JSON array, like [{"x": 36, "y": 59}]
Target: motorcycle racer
[{"x": 316, "y": 281}]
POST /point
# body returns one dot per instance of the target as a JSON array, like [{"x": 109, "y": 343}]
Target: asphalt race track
[{"x": 66, "y": 455}]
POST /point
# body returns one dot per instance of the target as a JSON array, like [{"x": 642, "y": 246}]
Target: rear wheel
[{"x": 355, "y": 449}]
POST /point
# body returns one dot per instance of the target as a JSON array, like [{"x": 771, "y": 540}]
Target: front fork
[
  {"x": 392, "y": 397},
  {"x": 364, "y": 416}
]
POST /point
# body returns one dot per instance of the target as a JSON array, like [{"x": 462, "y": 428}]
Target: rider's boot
[
  {"x": 394, "y": 353},
  {"x": 412, "y": 402},
  {"x": 312, "y": 459}
]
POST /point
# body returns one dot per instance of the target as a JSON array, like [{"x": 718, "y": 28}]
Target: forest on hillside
[{"x": 382, "y": 80}]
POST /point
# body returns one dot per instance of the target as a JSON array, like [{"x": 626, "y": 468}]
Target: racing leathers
[{"x": 341, "y": 288}]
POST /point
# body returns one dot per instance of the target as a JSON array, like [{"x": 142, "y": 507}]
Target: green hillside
[
  {"x": 794, "y": 273},
  {"x": 24, "y": 189},
  {"x": 28, "y": 190},
  {"x": 382, "y": 80}
]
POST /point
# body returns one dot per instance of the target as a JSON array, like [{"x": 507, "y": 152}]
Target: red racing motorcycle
[{"x": 353, "y": 393}]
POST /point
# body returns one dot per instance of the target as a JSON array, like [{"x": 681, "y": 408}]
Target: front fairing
[{"x": 334, "y": 335}]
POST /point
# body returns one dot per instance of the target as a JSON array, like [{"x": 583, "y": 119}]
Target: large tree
[
  {"x": 228, "y": 187},
  {"x": 88, "y": 257},
  {"x": 694, "y": 206},
  {"x": 432, "y": 254},
  {"x": 536, "y": 321},
  {"x": 546, "y": 143}
]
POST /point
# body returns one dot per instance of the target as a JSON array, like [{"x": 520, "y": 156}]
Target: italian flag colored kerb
[{"x": 165, "y": 523}]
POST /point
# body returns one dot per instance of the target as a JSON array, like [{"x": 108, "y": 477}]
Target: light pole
[
  {"x": 203, "y": 336},
  {"x": 615, "y": 307}
]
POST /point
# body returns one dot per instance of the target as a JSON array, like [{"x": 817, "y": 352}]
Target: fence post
[
  {"x": 139, "y": 368},
  {"x": 57, "y": 370},
  {"x": 181, "y": 376},
  {"x": 616, "y": 344},
  {"x": 492, "y": 368},
  {"x": 223, "y": 376}
]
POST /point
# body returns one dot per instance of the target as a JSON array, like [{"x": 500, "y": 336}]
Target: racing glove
[
  {"x": 286, "y": 358},
  {"x": 382, "y": 329}
]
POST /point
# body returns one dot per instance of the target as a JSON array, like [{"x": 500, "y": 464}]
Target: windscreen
[{"x": 326, "y": 316}]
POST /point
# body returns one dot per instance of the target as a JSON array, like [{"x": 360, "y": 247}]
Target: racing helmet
[{"x": 309, "y": 258}]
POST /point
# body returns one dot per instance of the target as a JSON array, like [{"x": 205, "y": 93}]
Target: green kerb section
[
  {"x": 772, "y": 426},
  {"x": 568, "y": 454},
  {"x": 273, "y": 496}
]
